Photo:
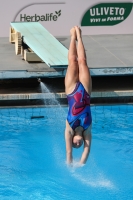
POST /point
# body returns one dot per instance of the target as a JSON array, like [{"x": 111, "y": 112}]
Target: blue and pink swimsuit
[{"x": 79, "y": 113}]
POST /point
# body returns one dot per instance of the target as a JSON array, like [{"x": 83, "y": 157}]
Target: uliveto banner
[
  {"x": 58, "y": 17},
  {"x": 106, "y": 14}
]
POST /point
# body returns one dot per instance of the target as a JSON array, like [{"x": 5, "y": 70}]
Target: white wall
[{"x": 72, "y": 12}]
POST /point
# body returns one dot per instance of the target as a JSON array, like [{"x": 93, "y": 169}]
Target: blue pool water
[{"x": 32, "y": 156}]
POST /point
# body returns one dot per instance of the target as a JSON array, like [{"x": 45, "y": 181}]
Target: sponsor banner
[
  {"x": 106, "y": 14},
  {"x": 95, "y": 17},
  {"x": 51, "y": 16}
]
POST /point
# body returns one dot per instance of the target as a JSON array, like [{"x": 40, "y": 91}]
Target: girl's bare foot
[
  {"x": 78, "y": 32},
  {"x": 73, "y": 33}
]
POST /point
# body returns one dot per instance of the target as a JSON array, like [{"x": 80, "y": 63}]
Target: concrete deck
[
  {"x": 106, "y": 55},
  {"x": 35, "y": 96}
]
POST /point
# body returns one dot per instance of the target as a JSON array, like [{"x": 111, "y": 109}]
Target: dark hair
[{"x": 77, "y": 146}]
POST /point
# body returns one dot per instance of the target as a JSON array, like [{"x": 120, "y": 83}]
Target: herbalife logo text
[{"x": 36, "y": 18}]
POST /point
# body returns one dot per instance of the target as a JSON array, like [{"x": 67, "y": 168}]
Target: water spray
[{"x": 39, "y": 80}]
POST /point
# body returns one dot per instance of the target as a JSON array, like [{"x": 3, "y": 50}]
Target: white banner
[{"x": 59, "y": 16}]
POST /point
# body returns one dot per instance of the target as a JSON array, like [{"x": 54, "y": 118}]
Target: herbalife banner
[{"x": 93, "y": 16}]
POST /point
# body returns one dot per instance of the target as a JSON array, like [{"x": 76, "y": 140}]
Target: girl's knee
[
  {"x": 82, "y": 61},
  {"x": 72, "y": 59}
]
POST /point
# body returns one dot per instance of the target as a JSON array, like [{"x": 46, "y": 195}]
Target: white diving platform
[{"x": 42, "y": 43}]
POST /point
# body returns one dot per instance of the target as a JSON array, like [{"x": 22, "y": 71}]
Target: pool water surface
[{"x": 32, "y": 154}]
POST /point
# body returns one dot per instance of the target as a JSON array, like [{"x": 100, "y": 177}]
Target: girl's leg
[
  {"x": 72, "y": 71},
  {"x": 84, "y": 73}
]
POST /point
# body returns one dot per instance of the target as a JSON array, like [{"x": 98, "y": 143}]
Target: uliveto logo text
[
  {"x": 106, "y": 14},
  {"x": 36, "y": 18}
]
